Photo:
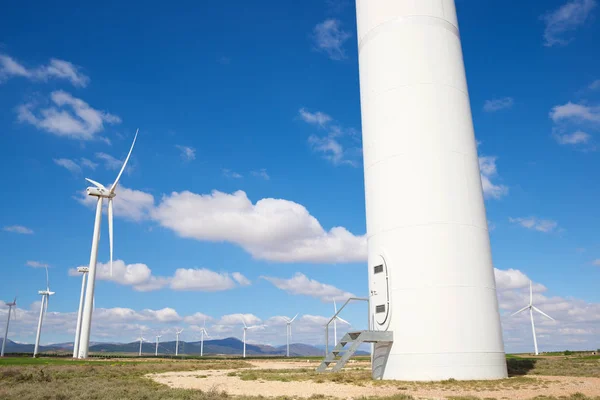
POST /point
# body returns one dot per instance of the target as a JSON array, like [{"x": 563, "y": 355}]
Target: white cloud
[
  {"x": 576, "y": 112},
  {"x": 271, "y": 229},
  {"x": 574, "y": 138},
  {"x": 23, "y": 230},
  {"x": 566, "y": 18},
  {"x": 317, "y": 118},
  {"x": 300, "y": 284},
  {"x": 330, "y": 145},
  {"x": 59, "y": 69},
  {"x": 110, "y": 162},
  {"x": 163, "y": 315},
  {"x": 36, "y": 264},
  {"x": 330, "y": 38},
  {"x": 70, "y": 165},
  {"x": 138, "y": 275},
  {"x": 68, "y": 117},
  {"x": 130, "y": 204},
  {"x": 498, "y": 104},
  {"x": 261, "y": 173},
  {"x": 203, "y": 280},
  {"x": 540, "y": 225},
  {"x": 187, "y": 153},
  {"x": 236, "y": 319},
  {"x": 197, "y": 319},
  {"x": 487, "y": 166},
  {"x": 231, "y": 174},
  {"x": 241, "y": 279}
]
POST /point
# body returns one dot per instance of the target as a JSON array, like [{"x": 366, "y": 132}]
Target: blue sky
[{"x": 260, "y": 103}]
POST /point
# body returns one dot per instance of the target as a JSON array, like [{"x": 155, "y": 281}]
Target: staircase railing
[{"x": 336, "y": 314}]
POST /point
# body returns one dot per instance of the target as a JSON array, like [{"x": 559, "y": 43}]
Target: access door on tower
[{"x": 380, "y": 298}]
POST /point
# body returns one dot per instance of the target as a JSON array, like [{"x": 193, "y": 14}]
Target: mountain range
[{"x": 227, "y": 346}]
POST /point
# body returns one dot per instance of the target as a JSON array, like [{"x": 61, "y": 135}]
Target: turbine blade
[
  {"x": 294, "y": 318},
  {"x": 114, "y": 186},
  {"x": 343, "y": 320},
  {"x": 530, "y": 293},
  {"x": 47, "y": 280},
  {"x": 334, "y": 306},
  {"x": 520, "y": 311},
  {"x": 110, "y": 232},
  {"x": 543, "y": 313},
  {"x": 98, "y": 185}
]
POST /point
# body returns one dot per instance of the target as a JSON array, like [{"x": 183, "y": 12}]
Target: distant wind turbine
[
  {"x": 141, "y": 339},
  {"x": 245, "y": 329},
  {"x": 10, "y": 306},
  {"x": 288, "y": 332},
  {"x": 157, "y": 340},
  {"x": 177, "y": 333},
  {"x": 43, "y": 309},
  {"x": 531, "y": 307},
  {"x": 101, "y": 193},
  {"x": 335, "y": 322},
  {"x": 203, "y": 332}
]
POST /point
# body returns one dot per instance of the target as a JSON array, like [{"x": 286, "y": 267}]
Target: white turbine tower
[
  {"x": 245, "y": 329},
  {"x": 203, "y": 332},
  {"x": 10, "y": 306},
  {"x": 141, "y": 339},
  {"x": 157, "y": 340},
  {"x": 43, "y": 308},
  {"x": 337, "y": 318},
  {"x": 101, "y": 193},
  {"x": 177, "y": 333},
  {"x": 288, "y": 332},
  {"x": 531, "y": 307},
  {"x": 84, "y": 271}
]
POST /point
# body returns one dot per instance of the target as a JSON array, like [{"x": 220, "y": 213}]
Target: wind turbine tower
[
  {"x": 157, "y": 340},
  {"x": 101, "y": 193},
  {"x": 288, "y": 332},
  {"x": 431, "y": 279},
  {"x": 531, "y": 308},
  {"x": 203, "y": 332},
  {"x": 43, "y": 309},
  {"x": 177, "y": 333},
  {"x": 84, "y": 271},
  {"x": 141, "y": 339},
  {"x": 10, "y": 306}
]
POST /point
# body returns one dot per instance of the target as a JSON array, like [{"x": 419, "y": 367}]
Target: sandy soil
[{"x": 218, "y": 379}]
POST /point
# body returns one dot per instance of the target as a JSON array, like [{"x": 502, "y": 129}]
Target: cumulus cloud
[
  {"x": 540, "y": 225},
  {"x": 271, "y": 229},
  {"x": 317, "y": 118},
  {"x": 498, "y": 104},
  {"x": 56, "y": 69},
  {"x": 187, "y": 153},
  {"x": 68, "y": 117},
  {"x": 567, "y": 18},
  {"x": 205, "y": 280},
  {"x": 487, "y": 166},
  {"x": 75, "y": 166},
  {"x": 574, "y": 138},
  {"x": 300, "y": 284},
  {"x": 197, "y": 319},
  {"x": 576, "y": 112},
  {"x": 138, "y": 275},
  {"x": 23, "y": 230}
]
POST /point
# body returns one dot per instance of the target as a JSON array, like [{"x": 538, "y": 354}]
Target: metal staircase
[{"x": 342, "y": 352}]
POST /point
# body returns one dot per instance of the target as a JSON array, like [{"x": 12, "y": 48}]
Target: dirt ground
[{"x": 517, "y": 389}]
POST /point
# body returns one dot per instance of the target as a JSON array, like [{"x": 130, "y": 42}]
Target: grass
[
  {"x": 57, "y": 379},
  {"x": 555, "y": 366}
]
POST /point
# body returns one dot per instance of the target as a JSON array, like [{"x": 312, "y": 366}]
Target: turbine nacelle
[
  {"x": 100, "y": 192},
  {"x": 45, "y": 292}
]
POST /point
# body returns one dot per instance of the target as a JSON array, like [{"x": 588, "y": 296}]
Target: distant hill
[{"x": 227, "y": 346}]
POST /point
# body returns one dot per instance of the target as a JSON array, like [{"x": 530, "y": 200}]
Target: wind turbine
[
  {"x": 141, "y": 339},
  {"x": 177, "y": 333},
  {"x": 288, "y": 332},
  {"x": 84, "y": 271},
  {"x": 44, "y": 307},
  {"x": 203, "y": 332},
  {"x": 157, "y": 340},
  {"x": 10, "y": 306},
  {"x": 335, "y": 322},
  {"x": 245, "y": 329},
  {"x": 101, "y": 193},
  {"x": 531, "y": 307}
]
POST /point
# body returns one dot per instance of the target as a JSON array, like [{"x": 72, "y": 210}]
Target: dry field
[{"x": 23, "y": 379}]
